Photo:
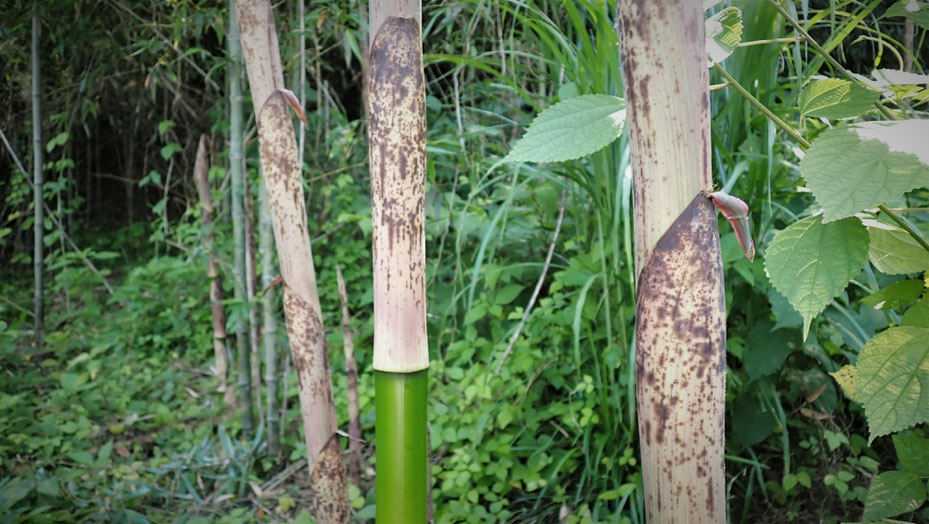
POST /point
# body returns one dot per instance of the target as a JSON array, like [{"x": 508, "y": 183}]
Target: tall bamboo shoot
[
  {"x": 680, "y": 319},
  {"x": 397, "y": 153},
  {"x": 278, "y": 149}
]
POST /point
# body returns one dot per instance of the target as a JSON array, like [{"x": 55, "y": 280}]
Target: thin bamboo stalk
[
  {"x": 201, "y": 180},
  {"x": 234, "y": 53},
  {"x": 38, "y": 200},
  {"x": 269, "y": 322},
  {"x": 278, "y": 149},
  {"x": 250, "y": 283}
]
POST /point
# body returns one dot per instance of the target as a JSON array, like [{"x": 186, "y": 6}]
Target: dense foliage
[{"x": 116, "y": 416}]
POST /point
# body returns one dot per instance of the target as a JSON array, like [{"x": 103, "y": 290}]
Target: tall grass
[{"x": 522, "y": 56}]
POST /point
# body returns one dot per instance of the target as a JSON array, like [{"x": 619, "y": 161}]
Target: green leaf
[
  {"x": 914, "y": 10},
  {"x": 788, "y": 481},
  {"x": 847, "y": 377},
  {"x": 504, "y": 417},
  {"x": 860, "y": 166},
  {"x": 59, "y": 140},
  {"x": 723, "y": 33},
  {"x": 894, "y": 252},
  {"x": 571, "y": 129},
  {"x": 103, "y": 455},
  {"x": 164, "y": 126},
  {"x": 508, "y": 294},
  {"x": 835, "y": 98},
  {"x": 766, "y": 348},
  {"x": 892, "y": 369},
  {"x": 896, "y": 295},
  {"x": 169, "y": 150},
  {"x": 304, "y": 517},
  {"x": 152, "y": 177},
  {"x": 751, "y": 422},
  {"x": 49, "y": 486},
  {"x": 893, "y": 493},
  {"x": 567, "y": 90},
  {"x": 912, "y": 453},
  {"x": 810, "y": 263},
  {"x": 13, "y": 490},
  {"x": 834, "y": 440},
  {"x": 917, "y": 314},
  {"x": 286, "y": 503},
  {"x": 784, "y": 313},
  {"x": 475, "y": 313},
  {"x": 366, "y": 513},
  {"x": 82, "y": 457}
]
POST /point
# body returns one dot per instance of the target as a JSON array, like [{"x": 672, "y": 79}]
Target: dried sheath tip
[{"x": 736, "y": 212}]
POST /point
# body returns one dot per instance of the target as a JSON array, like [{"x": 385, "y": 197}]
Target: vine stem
[
  {"x": 761, "y": 107},
  {"x": 905, "y": 225}
]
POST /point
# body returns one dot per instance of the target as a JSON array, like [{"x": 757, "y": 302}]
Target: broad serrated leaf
[
  {"x": 892, "y": 369},
  {"x": 571, "y": 129},
  {"x": 893, "y": 493},
  {"x": 861, "y": 166},
  {"x": 915, "y": 10},
  {"x": 723, "y": 33},
  {"x": 894, "y": 252},
  {"x": 847, "y": 377},
  {"x": 810, "y": 263},
  {"x": 896, "y": 295},
  {"x": 912, "y": 453},
  {"x": 836, "y": 98}
]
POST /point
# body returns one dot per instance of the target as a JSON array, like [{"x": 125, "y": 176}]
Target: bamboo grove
[{"x": 398, "y": 261}]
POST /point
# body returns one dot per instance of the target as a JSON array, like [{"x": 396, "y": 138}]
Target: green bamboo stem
[
  {"x": 37, "y": 194},
  {"x": 234, "y": 53},
  {"x": 400, "y": 432},
  {"x": 269, "y": 320}
]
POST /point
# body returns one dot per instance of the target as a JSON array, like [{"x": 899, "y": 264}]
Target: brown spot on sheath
[{"x": 662, "y": 413}]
